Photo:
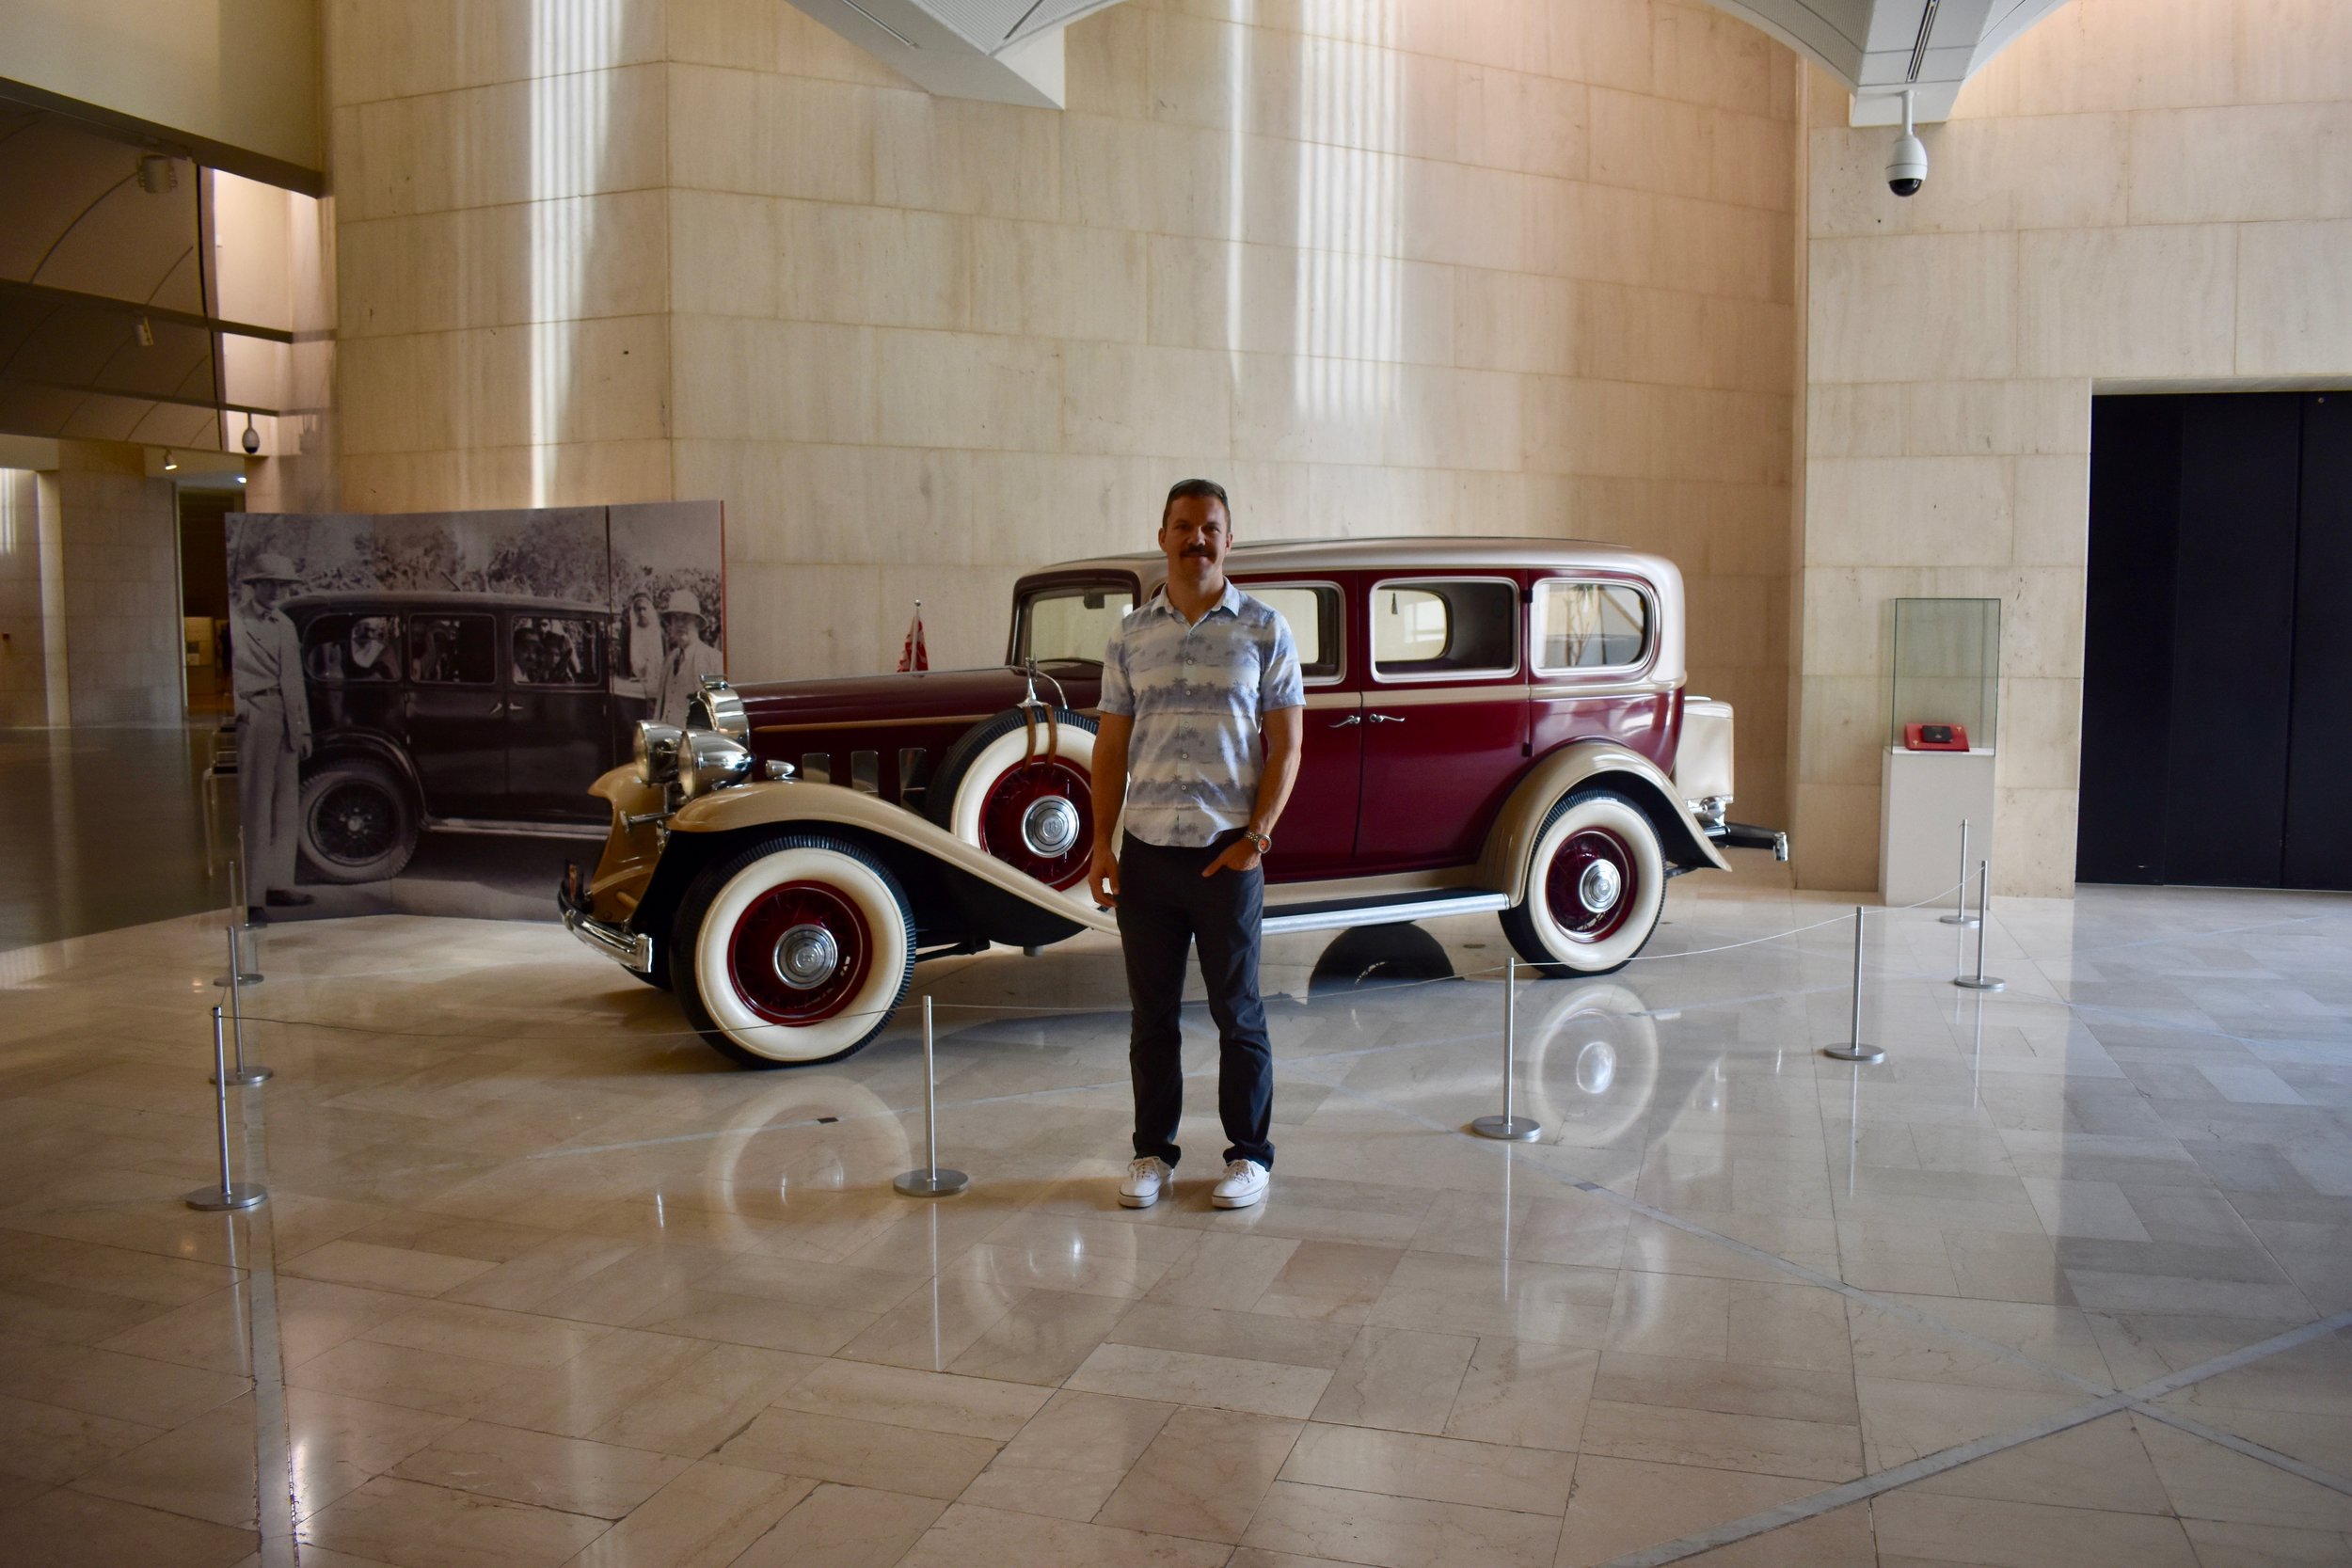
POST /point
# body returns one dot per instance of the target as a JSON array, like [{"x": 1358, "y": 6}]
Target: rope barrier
[{"x": 1000, "y": 1008}]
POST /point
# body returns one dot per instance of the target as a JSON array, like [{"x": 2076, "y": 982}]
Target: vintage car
[
  {"x": 1492, "y": 725},
  {"x": 449, "y": 709}
]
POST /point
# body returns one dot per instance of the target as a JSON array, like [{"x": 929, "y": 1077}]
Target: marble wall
[
  {"x": 2138, "y": 194},
  {"x": 1382, "y": 265},
  {"x": 110, "y": 597},
  {"x": 24, "y": 670}
]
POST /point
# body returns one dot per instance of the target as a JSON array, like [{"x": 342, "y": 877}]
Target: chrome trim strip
[
  {"x": 1419, "y": 696},
  {"x": 1559, "y": 691},
  {"x": 584, "y": 831},
  {"x": 1334, "y": 699},
  {"x": 1396, "y": 884},
  {"x": 1387, "y": 914},
  {"x": 632, "y": 950}
]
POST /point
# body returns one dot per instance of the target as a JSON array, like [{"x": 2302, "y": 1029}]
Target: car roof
[
  {"x": 439, "y": 598},
  {"x": 1444, "y": 553}
]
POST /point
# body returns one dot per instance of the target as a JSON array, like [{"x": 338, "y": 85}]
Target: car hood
[{"x": 921, "y": 694}]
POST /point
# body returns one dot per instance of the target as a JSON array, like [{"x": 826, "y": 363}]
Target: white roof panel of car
[{"x": 1437, "y": 553}]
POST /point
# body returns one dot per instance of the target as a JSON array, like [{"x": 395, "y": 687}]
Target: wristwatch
[{"x": 1263, "y": 841}]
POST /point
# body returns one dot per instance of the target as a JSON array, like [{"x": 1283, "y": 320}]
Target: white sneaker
[
  {"x": 1244, "y": 1182},
  {"x": 1147, "y": 1179}
]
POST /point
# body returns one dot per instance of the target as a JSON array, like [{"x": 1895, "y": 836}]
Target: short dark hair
[{"x": 1185, "y": 488}]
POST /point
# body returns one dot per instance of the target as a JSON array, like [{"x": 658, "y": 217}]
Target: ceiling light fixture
[
  {"x": 159, "y": 174},
  {"x": 171, "y": 464},
  {"x": 144, "y": 331}
]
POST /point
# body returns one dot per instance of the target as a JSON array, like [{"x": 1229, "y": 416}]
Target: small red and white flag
[{"x": 913, "y": 656}]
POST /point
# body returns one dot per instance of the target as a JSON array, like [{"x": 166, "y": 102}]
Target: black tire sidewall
[{"x": 338, "y": 772}]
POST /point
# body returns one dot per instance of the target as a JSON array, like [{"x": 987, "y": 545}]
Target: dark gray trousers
[{"x": 1165, "y": 906}]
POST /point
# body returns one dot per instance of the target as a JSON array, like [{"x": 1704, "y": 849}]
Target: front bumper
[{"x": 632, "y": 950}]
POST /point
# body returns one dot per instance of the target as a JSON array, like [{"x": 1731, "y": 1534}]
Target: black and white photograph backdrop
[{"x": 422, "y": 699}]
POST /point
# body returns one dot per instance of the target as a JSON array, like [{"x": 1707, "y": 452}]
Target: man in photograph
[
  {"x": 686, "y": 657},
  {"x": 273, "y": 732},
  {"x": 1191, "y": 678}
]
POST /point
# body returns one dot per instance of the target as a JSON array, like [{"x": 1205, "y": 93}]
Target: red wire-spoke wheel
[
  {"x": 1021, "y": 790},
  {"x": 1040, "y": 818},
  {"x": 794, "y": 949},
  {"x": 1595, "y": 882},
  {"x": 798, "y": 953}
]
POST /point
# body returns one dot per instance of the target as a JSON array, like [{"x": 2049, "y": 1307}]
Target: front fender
[
  {"x": 631, "y": 856},
  {"x": 1580, "y": 765}
]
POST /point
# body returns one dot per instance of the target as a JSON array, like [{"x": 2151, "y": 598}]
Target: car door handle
[
  {"x": 1351, "y": 718},
  {"x": 1386, "y": 718}
]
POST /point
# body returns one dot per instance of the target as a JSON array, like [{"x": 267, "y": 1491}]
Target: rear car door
[
  {"x": 456, "y": 710},
  {"x": 1445, "y": 716},
  {"x": 559, "y": 733}
]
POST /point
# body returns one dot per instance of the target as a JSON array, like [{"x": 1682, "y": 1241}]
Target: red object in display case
[{"x": 1936, "y": 737}]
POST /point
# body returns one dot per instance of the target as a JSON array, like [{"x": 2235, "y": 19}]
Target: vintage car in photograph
[
  {"x": 1492, "y": 725},
  {"x": 449, "y": 709}
]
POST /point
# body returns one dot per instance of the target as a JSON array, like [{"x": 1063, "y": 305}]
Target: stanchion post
[
  {"x": 237, "y": 973},
  {"x": 1979, "y": 980},
  {"x": 1509, "y": 1126},
  {"x": 227, "y": 1193},
  {"x": 930, "y": 1182},
  {"x": 1853, "y": 1049},
  {"x": 1960, "y": 915},
  {"x": 243, "y": 1074}
]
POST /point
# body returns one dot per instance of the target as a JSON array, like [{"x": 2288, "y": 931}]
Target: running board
[{"x": 1388, "y": 912}]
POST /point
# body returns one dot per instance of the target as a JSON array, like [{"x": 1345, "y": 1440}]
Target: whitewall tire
[
  {"x": 1596, "y": 883},
  {"x": 791, "y": 951},
  {"x": 1024, "y": 798}
]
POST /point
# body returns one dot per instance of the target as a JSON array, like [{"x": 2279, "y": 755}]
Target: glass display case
[{"x": 1947, "y": 668}]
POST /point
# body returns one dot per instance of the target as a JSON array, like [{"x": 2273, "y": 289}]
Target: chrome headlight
[
  {"x": 715, "y": 705},
  {"x": 708, "y": 761},
  {"x": 657, "y": 752}
]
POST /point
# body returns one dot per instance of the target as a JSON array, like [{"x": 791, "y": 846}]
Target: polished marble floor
[{"x": 541, "y": 1281}]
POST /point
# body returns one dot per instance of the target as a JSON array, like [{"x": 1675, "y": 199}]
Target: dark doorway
[{"x": 2216, "y": 659}]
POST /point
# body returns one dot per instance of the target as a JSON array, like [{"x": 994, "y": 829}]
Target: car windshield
[{"x": 1070, "y": 620}]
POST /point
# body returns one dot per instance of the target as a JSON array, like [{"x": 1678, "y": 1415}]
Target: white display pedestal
[{"x": 1923, "y": 797}]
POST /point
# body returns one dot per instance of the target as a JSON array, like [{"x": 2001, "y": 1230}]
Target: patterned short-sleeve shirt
[{"x": 1198, "y": 694}]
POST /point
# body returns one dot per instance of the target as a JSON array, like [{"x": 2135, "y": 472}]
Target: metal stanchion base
[
  {"x": 1956, "y": 918},
  {"x": 237, "y": 1194},
  {"x": 932, "y": 1184},
  {"x": 1971, "y": 982},
  {"x": 1870, "y": 1054},
  {"x": 245, "y": 1077},
  {"x": 1518, "y": 1130},
  {"x": 248, "y": 977}
]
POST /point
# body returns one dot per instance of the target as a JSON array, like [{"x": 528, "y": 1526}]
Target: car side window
[
  {"x": 453, "y": 650},
  {"x": 556, "y": 650},
  {"x": 1430, "y": 626},
  {"x": 353, "y": 648},
  {"x": 1072, "y": 621},
  {"x": 1590, "y": 625},
  {"x": 1313, "y": 612}
]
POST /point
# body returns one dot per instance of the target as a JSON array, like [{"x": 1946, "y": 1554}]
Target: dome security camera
[
  {"x": 1907, "y": 166},
  {"x": 251, "y": 439}
]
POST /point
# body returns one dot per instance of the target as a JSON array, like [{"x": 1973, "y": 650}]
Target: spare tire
[{"x": 1020, "y": 787}]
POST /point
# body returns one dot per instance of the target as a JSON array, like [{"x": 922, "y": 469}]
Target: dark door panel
[
  {"x": 2127, "y": 638},
  {"x": 2319, "y": 761},
  {"x": 2232, "y": 641}
]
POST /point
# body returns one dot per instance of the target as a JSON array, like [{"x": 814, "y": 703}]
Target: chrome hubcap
[
  {"x": 1597, "y": 889},
  {"x": 1050, "y": 825},
  {"x": 806, "y": 956}
]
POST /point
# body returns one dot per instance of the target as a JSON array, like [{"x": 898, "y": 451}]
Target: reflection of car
[
  {"x": 433, "y": 708},
  {"x": 1492, "y": 725}
]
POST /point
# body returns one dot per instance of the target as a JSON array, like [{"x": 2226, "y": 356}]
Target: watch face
[{"x": 1936, "y": 734}]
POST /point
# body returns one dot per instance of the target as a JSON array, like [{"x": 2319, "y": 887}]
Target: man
[
  {"x": 371, "y": 657},
  {"x": 643, "y": 640},
  {"x": 687, "y": 660},
  {"x": 1188, "y": 681},
  {"x": 273, "y": 732}
]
